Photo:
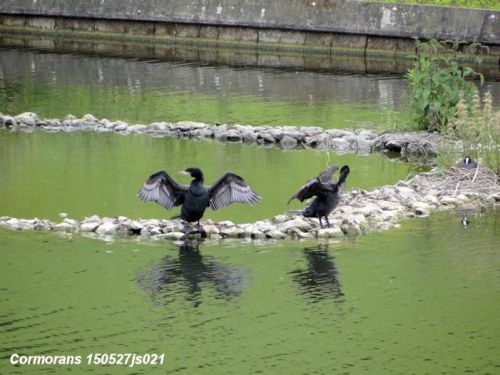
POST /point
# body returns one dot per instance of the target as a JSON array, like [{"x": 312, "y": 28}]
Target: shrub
[{"x": 438, "y": 82}]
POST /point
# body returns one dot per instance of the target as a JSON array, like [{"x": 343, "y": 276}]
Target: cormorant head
[
  {"x": 196, "y": 173},
  {"x": 344, "y": 171}
]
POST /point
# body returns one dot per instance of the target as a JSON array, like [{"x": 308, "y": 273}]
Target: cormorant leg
[
  {"x": 320, "y": 222},
  {"x": 327, "y": 222}
]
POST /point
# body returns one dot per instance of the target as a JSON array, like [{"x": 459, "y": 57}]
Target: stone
[
  {"x": 8, "y": 122},
  {"x": 120, "y": 126},
  {"x": 107, "y": 227},
  {"x": 27, "y": 118},
  {"x": 421, "y": 208},
  {"x": 278, "y": 219},
  {"x": 137, "y": 128},
  {"x": 64, "y": 227},
  {"x": 339, "y": 145},
  {"x": 89, "y": 227},
  {"x": 447, "y": 200},
  {"x": 275, "y": 234},
  {"x": 175, "y": 236},
  {"x": 265, "y": 138},
  {"x": 210, "y": 229},
  {"x": 330, "y": 233},
  {"x": 90, "y": 118},
  {"x": 296, "y": 223},
  {"x": 288, "y": 142},
  {"x": 233, "y": 231},
  {"x": 12, "y": 223}
]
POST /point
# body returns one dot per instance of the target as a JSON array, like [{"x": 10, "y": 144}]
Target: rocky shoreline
[
  {"x": 360, "y": 212},
  {"x": 408, "y": 144}
]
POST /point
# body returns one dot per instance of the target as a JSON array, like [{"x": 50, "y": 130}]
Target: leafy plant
[{"x": 438, "y": 82}]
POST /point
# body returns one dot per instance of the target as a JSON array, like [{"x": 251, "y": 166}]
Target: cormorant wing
[
  {"x": 315, "y": 185},
  {"x": 231, "y": 188},
  {"x": 162, "y": 189},
  {"x": 327, "y": 174}
]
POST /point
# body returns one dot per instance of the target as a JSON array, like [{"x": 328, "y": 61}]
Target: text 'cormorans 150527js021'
[{"x": 116, "y": 359}]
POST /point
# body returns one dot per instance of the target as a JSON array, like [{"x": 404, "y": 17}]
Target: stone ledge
[
  {"x": 468, "y": 191},
  {"x": 409, "y": 144}
]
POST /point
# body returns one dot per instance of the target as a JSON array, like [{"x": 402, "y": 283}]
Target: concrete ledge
[
  {"x": 333, "y": 16},
  {"x": 333, "y": 27}
]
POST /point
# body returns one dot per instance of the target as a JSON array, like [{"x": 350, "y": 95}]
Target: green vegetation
[
  {"x": 479, "y": 130},
  {"x": 488, "y": 4},
  {"x": 438, "y": 82},
  {"x": 445, "y": 99}
]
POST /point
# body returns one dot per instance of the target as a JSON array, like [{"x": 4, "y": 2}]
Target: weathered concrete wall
[{"x": 333, "y": 16}]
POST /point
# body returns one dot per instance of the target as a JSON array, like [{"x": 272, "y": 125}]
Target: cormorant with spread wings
[
  {"x": 195, "y": 198},
  {"x": 326, "y": 192}
]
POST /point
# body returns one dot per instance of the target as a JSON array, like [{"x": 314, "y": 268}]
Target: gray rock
[
  {"x": 175, "y": 236},
  {"x": 275, "y": 234},
  {"x": 330, "y": 233},
  {"x": 288, "y": 142},
  {"x": 265, "y": 138},
  {"x": 295, "y": 223},
  {"x": 120, "y": 126},
  {"x": 421, "y": 208},
  {"x": 8, "y": 122},
  {"x": 137, "y": 128},
  {"x": 89, "y": 227},
  {"x": 234, "y": 231},
  {"x": 107, "y": 227},
  {"x": 278, "y": 219},
  {"x": 64, "y": 227},
  {"x": 339, "y": 145},
  {"x": 210, "y": 229},
  {"x": 27, "y": 118},
  {"x": 90, "y": 118}
]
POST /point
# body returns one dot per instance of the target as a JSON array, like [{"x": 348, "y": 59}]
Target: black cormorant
[
  {"x": 195, "y": 198},
  {"x": 326, "y": 192},
  {"x": 468, "y": 163}
]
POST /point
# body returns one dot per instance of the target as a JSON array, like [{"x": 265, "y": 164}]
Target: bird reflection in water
[
  {"x": 321, "y": 279},
  {"x": 189, "y": 273}
]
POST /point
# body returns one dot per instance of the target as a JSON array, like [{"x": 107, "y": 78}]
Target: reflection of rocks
[
  {"x": 320, "y": 280},
  {"x": 286, "y": 137},
  {"x": 189, "y": 273},
  {"x": 358, "y": 213}
]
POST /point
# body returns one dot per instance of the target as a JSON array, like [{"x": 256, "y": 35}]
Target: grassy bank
[{"x": 487, "y": 4}]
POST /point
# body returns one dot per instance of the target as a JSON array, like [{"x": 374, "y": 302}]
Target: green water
[
  {"x": 84, "y": 173},
  {"x": 423, "y": 299},
  {"x": 54, "y": 85}
]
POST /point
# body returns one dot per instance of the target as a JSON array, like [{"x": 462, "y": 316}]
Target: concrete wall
[
  {"x": 333, "y": 16},
  {"x": 329, "y": 27}
]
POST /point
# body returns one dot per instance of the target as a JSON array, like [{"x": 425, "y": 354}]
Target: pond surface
[
  {"x": 85, "y": 173},
  {"x": 54, "y": 85},
  {"x": 423, "y": 299}
]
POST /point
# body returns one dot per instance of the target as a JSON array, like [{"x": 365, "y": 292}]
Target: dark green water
[
  {"x": 83, "y": 174},
  {"x": 54, "y": 85},
  {"x": 423, "y": 299}
]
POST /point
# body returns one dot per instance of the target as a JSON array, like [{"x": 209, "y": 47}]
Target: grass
[{"x": 487, "y": 4}]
